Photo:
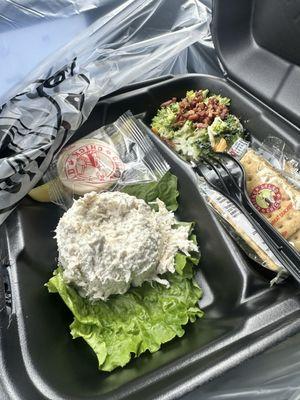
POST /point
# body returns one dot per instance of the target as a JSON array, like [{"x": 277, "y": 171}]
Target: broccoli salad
[{"x": 198, "y": 124}]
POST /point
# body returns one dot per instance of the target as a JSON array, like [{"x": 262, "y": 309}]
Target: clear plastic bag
[
  {"x": 128, "y": 43},
  {"x": 281, "y": 157}
]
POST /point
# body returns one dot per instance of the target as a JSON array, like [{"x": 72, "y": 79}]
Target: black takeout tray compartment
[{"x": 243, "y": 315}]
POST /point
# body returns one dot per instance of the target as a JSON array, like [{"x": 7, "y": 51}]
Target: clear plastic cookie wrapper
[{"x": 108, "y": 159}]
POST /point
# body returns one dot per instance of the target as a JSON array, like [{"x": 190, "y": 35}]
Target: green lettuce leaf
[
  {"x": 165, "y": 190},
  {"x": 145, "y": 317},
  {"x": 129, "y": 324}
]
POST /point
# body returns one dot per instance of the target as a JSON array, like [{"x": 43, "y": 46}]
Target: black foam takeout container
[{"x": 243, "y": 315}]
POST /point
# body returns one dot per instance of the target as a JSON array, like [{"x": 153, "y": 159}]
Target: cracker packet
[
  {"x": 273, "y": 184},
  {"x": 273, "y": 195},
  {"x": 107, "y": 159}
]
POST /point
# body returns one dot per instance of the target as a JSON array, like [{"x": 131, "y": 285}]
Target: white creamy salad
[{"x": 108, "y": 241}]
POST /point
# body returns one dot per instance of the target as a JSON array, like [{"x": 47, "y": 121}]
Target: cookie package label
[
  {"x": 266, "y": 198},
  {"x": 92, "y": 163}
]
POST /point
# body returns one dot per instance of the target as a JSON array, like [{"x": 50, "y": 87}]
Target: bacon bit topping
[
  {"x": 195, "y": 110},
  {"x": 167, "y": 103}
]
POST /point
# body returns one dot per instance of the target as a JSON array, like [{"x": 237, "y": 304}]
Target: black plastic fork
[{"x": 226, "y": 175}]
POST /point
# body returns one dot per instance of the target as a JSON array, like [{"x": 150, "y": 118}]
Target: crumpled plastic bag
[{"x": 131, "y": 42}]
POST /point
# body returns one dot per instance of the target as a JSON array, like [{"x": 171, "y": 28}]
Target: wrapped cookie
[{"x": 109, "y": 158}]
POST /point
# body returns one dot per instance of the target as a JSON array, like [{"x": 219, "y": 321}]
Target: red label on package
[
  {"x": 266, "y": 198},
  {"x": 92, "y": 163}
]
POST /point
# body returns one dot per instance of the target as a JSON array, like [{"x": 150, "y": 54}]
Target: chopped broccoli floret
[
  {"x": 187, "y": 147},
  {"x": 233, "y": 124},
  {"x": 190, "y": 94},
  {"x": 163, "y": 121},
  {"x": 205, "y": 93},
  {"x": 222, "y": 100},
  {"x": 230, "y": 125},
  {"x": 218, "y": 126},
  {"x": 186, "y": 130}
]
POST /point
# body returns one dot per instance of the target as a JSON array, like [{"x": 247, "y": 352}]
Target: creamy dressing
[{"x": 109, "y": 241}]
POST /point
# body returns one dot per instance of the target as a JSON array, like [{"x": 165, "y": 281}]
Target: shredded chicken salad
[{"x": 109, "y": 241}]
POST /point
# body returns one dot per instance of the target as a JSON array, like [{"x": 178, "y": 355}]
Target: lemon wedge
[{"x": 41, "y": 193}]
